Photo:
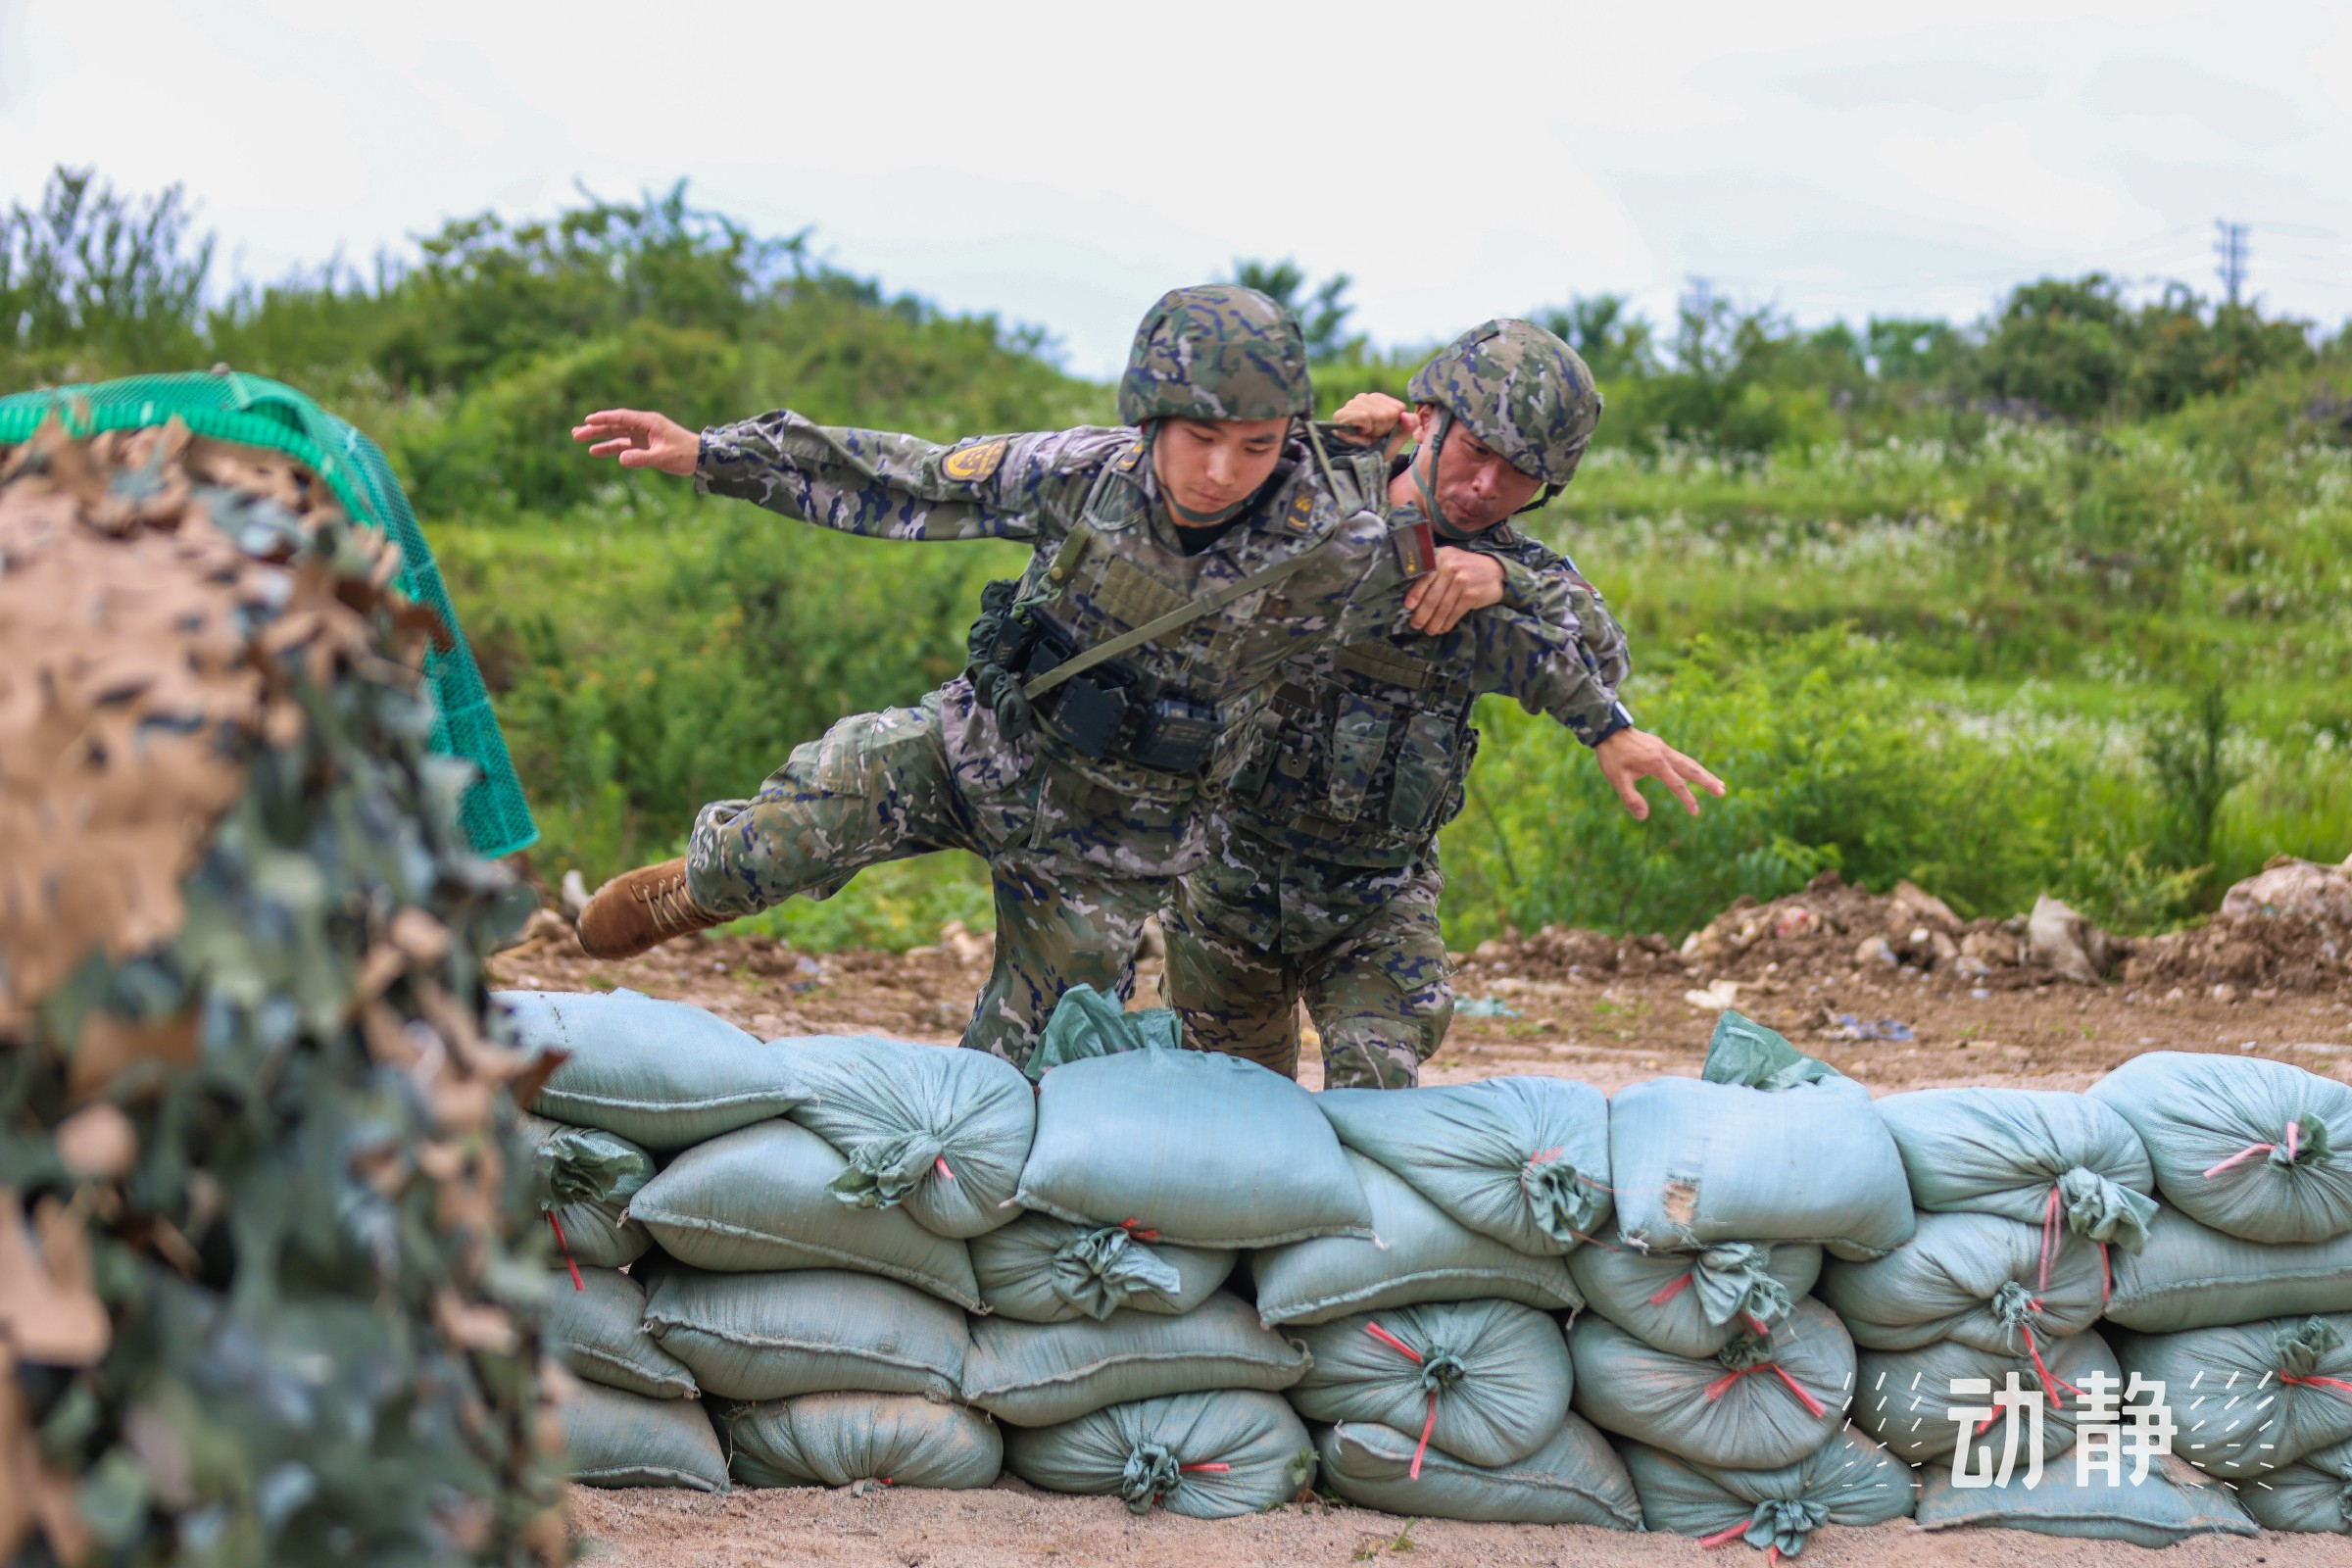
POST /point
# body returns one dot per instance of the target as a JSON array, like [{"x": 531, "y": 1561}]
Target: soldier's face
[
  {"x": 1475, "y": 486},
  {"x": 1205, "y": 465}
]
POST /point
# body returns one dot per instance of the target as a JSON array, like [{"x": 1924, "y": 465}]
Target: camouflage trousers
[
  {"x": 1259, "y": 927},
  {"x": 888, "y": 786}
]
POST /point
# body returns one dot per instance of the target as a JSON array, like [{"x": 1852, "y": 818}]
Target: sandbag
[
  {"x": 614, "y": 1439},
  {"x": 2189, "y": 1276},
  {"x": 1976, "y": 1278},
  {"x": 2256, "y": 1148},
  {"x": 1694, "y": 1304},
  {"x": 1205, "y": 1149},
  {"x": 1574, "y": 1479},
  {"x": 583, "y": 1178},
  {"x": 1771, "y": 1147},
  {"x": 1039, "y": 1374},
  {"x": 1906, "y": 1397},
  {"x": 1087, "y": 1023},
  {"x": 1759, "y": 1402},
  {"x": 1419, "y": 1253},
  {"x": 1039, "y": 1269},
  {"x": 2312, "y": 1495},
  {"x": 942, "y": 1132},
  {"x": 2012, "y": 1151},
  {"x": 838, "y": 1440},
  {"x": 2252, "y": 1396},
  {"x": 1524, "y": 1160},
  {"x": 2168, "y": 1505},
  {"x": 762, "y": 1199},
  {"x": 599, "y": 1330},
  {"x": 771, "y": 1336},
  {"x": 1486, "y": 1381},
  {"x": 1205, "y": 1455},
  {"x": 659, "y": 1073},
  {"x": 1847, "y": 1481}
]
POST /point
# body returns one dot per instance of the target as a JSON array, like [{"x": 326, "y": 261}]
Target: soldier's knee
[{"x": 1357, "y": 1065}]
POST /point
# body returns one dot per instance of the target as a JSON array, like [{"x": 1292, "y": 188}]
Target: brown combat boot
[{"x": 641, "y": 910}]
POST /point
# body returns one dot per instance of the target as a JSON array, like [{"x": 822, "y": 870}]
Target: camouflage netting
[{"x": 261, "y": 1294}]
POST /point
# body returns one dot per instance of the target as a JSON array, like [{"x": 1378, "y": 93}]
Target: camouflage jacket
[
  {"x": 1360, "y": 754},
  {"x": 1104, "y": 560}
]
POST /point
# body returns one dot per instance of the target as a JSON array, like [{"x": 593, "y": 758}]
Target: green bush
[
  {"x": 510, "y": 441},
  {"x": 1830, "y": 764}
]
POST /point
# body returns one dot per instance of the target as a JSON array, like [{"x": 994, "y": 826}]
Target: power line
[{"x": 2232, "y": 248}]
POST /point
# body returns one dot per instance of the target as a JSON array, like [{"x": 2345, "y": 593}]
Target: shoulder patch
[
  {"x": 970, "y": 465},
  {"x": 1416, "y": 548},
  {"x": 1127, "y": 460},
  {"x": 1303, "y": 509}
]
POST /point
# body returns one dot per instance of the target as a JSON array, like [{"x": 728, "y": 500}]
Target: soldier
[
  {"x": 1176, "y": 565},
  {"x": 1321, "y": 876}
]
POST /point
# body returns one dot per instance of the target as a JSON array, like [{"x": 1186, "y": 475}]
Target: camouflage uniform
[
  {"x": 1321, "y": 878},
  {"x": 1083, "y": 818}
]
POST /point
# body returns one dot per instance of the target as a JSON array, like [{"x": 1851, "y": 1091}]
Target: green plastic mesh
[{"x": 253, "y": 410}]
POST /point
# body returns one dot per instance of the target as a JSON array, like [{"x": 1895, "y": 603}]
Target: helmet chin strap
[
  {"x": 1425, "y": 475},
  {"x": 1426, "y": 483}
]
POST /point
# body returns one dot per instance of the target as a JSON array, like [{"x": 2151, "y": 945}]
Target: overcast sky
[{"x": 1063, "y": 164}]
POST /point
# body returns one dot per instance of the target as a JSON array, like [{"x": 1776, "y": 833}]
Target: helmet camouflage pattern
[
  {"x": 1217, "y": 351},
  {"x": 1520, "y": 390}
]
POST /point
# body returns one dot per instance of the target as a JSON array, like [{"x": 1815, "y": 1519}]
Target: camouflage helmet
[
  {"x": 1521, "y": 391},
  {"x": 1217, "y": 351}
]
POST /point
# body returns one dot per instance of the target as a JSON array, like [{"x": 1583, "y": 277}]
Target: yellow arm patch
[{"x": 973, "y": 464}]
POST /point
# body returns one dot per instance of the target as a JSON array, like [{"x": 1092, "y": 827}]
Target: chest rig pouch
[{"x": 1116, "y": 706}]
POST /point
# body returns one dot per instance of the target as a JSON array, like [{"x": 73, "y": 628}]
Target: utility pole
[{"x": 2231, "y": 249}]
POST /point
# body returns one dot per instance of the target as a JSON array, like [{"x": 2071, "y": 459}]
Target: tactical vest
[
  {"x": 1167, "y": 719},
  {"x": 1361, "y": 751}
]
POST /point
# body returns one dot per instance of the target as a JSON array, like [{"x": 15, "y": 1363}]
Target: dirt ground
[
  {"x": 1010, "y": 1524},
  {"x": 1980, "y": 1006},
  {"x": 1610, "y": 1012}
]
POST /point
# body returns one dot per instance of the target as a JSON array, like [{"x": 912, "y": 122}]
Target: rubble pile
[{"x": 2288, "y": 928}]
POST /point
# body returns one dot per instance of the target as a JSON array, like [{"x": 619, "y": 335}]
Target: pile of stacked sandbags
[
  {"x": 2240, "y": 1303},
  {"x": 1112, "y": 1350},
  {"x": 2025, "y": 1197},
  {"x": 1159, "y": 1268},
  {"x": 1727, "y": 1383},
  {"x": 1439, "y": 1381},
  {"x": 797, "y": 1269}
]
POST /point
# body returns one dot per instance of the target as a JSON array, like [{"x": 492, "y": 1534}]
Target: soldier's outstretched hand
[
  {"x": 1631, "y": 755},
  {"x": 641, "y": 439}
]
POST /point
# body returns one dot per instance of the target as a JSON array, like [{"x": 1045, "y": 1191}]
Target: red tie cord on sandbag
[
  {"x": 2341, "y": 1388},
  {"x": 1427, "y": 1426},
  {"x": 2049, "y": 1249},
  {"x": 2049, "y": 1380},
  {"x": 564, "y": 1247},
  {"x": 2050, "y": 1239},
  {"x": 1722, "y": 1386},
  {"x": 1218, "y": 1468},
  {"x": 1724, "y": 1538},
  {"x": 1681, "y": 1282},
  {"x": 2294, "y": 1141},
  {"x": 940, "y": 1161},
  {"x": 1135, "y": 1228},
  {"x": 1673, "y": 1288}
]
